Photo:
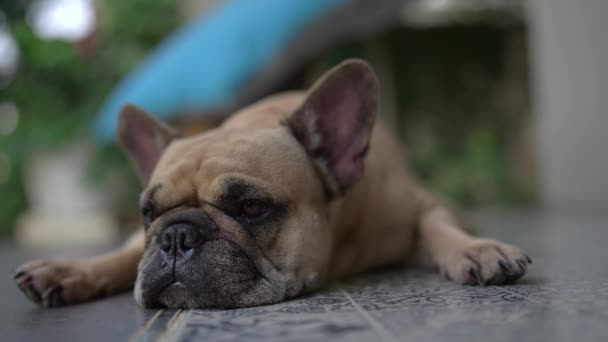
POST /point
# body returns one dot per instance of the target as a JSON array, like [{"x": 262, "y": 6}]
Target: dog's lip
[{"x": 175, "y": 284}]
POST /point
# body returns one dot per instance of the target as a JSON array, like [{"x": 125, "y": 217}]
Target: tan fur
[{"x": 382, "y": 220}]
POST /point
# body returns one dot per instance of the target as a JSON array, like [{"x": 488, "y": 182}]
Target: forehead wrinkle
[
  {"x": 148, "y": 196},
  {"x": 215, "y": 165},
  {"x": 270, "y": 157},
  {"x": 222, "y": 183},
  {"x": 209, "y": 170},
  {"x": 178, "y": 185},
  {"x": 272, "y": 169}
]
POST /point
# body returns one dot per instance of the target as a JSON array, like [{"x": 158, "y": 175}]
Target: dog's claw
[
  {"x": 53, "y": 297},
  {"x": 505, "y": 267},
  {"x": 32, "y": 293},
  {"x": 475, "y": 274},
  {"x": 23, "y": 278},
  {"x": 18, "y": 274},
  {"x": 528, "y": 260},
  {"x": 26, "y": 286}
]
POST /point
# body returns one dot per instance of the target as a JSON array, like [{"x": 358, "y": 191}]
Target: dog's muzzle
[{"x": 193, "y": 265}]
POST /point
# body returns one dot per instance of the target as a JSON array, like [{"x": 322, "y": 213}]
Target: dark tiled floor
[{"x": 563, "y": 298}]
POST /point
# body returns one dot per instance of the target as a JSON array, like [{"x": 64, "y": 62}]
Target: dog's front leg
[
  {"x": 464, "y": 258},
  {"x": 58, "y": 282}
]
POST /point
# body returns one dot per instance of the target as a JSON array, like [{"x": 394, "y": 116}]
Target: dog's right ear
[{"x": 143, "y": 138}]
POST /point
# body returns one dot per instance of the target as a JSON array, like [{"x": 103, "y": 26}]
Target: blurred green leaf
[{"x": 58, "y": 90}]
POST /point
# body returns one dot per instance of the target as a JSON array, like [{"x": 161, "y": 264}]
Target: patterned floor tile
[{"x": 564, "y": 297}]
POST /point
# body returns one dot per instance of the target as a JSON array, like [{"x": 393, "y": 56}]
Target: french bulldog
[{"x": 292, "y": 192}]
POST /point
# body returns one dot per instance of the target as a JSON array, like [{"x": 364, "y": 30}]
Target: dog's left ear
[
  {"x": 335, "y": 122},
  {"x": 143, "y": 138}
]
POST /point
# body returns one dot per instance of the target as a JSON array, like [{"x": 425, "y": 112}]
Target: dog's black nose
[{"x": 180, "y": 238}]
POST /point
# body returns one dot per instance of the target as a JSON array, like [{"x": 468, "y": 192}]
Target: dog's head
[{"x": 239, "y": 215}]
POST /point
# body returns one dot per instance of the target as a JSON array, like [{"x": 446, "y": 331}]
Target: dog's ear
[
  {"x": 143, "y": 138},
  {"x": 335, "y": 122}
]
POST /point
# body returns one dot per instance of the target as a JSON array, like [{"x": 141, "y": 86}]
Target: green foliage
[
  {"x": 452, "y": 115},
  {"x": 445, "y": 89},
  {"x": 58, "y": 89},
  {"x": 449, "y": 108}
]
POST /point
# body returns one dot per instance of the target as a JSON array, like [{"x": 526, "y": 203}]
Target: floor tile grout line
[
  {"x": 139, "y": 332},
  {"x": 174, "y": 318},
  {"x": 376, "y": 326},
  {"x": 175, "y": 325}
]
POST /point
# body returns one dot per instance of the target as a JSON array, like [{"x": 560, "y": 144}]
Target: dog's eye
[{"x": 253, "y": 209}]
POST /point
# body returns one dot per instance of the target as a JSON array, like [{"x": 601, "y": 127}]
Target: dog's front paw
[
  {"x": 486, "y": 262},
  {"x": 57, "y": 282}
]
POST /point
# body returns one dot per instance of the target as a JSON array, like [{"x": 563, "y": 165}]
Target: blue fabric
[{"x": 203, "y": 64}]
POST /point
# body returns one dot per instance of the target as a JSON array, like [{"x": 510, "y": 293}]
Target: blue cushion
[{"x": 202, "y": 65}]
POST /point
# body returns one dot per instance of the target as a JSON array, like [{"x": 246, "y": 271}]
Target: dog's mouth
[
  {"x": 175, "y": 293},
  {"x": 218, "y": 275}
]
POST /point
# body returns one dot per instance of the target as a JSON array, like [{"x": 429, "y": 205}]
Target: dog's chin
[
  {"x": 176, "y": 296},
  {"x": 220, "y": 275}
]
